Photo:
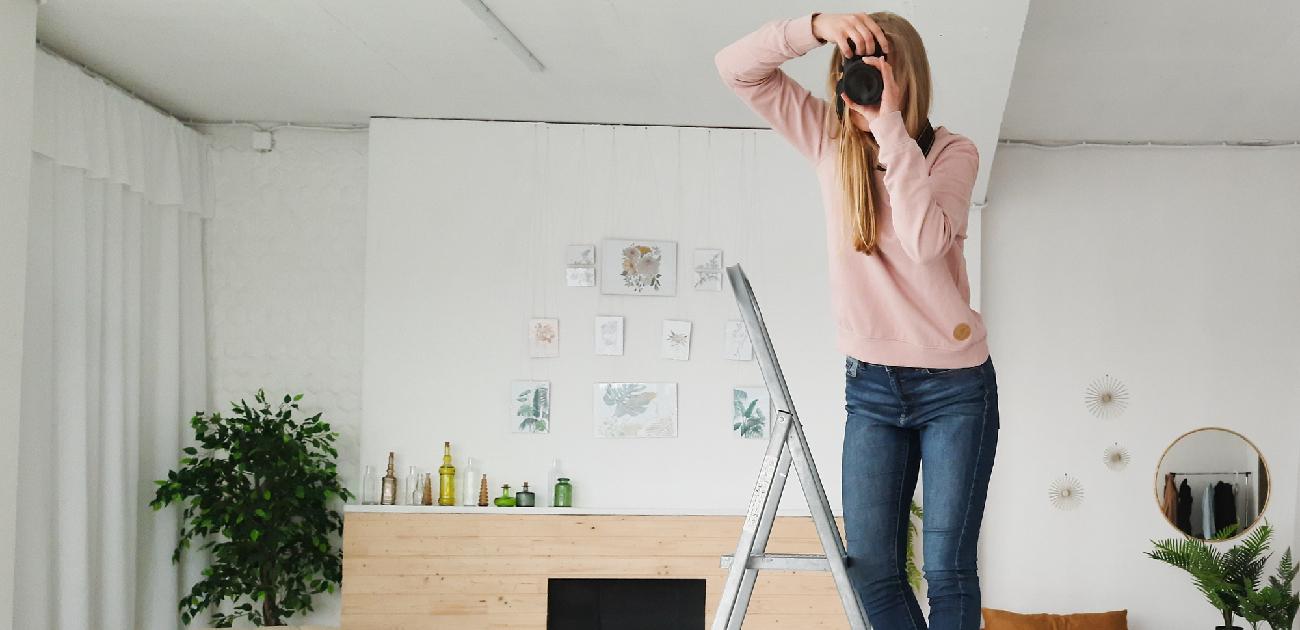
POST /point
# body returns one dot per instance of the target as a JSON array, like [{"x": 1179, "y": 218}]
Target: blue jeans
[{"x": 899, "y": 417}]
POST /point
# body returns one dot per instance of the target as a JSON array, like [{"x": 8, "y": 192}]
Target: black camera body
[
  {"x": 861, "y": 81},
  {"x": 865, "y": 85}
]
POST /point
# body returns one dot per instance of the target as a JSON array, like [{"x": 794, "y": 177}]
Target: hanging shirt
[{"x": 1207, "y": 512}]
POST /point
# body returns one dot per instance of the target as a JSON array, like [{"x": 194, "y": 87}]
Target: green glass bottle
[
  {"x": 563, "y": 492},
  {"x": 506, "y": 499},
  {"x": 525, "y": 497}
]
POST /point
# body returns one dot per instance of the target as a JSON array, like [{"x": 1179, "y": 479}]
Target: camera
[{"x": 861, "y": 81}]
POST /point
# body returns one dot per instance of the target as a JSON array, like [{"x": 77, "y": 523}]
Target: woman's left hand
[{"x": 889, "y": 97}]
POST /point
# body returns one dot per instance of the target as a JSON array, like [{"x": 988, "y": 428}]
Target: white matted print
[
  {"x": 751, "y": 408},
  {"x": 635, "y": 410},
  {"x": 708, "y": 270},
  {"x": 676, "y": 342},
  {"x": 639, "y": 267},
  {"x": 580, "y": 276},
  {"x": 609, "y": 336},
  {"x": 735, "y": 342},
  {"x": 543, "y": 337},
  {"x": 580, "y": 265},
  {"x": 531, "y": 403},
  {"x": 580, "y": 255}
]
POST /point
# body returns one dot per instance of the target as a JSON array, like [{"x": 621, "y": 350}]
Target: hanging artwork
[
  {"x": 708, "y": 270},
  {"x": 531, "y": 402},
  {"x": 676, "y": 342},
  {"x": 1116, "y": 457},
  {"x": 609, "y": 336},
  {"x": 637, "y": 267},
  {"x": 635, "y": 410},
  {"x": 543, "y": 337},
  {"x": 750, "y": 409},
  {"x": 735, "y": 342},
  {"x": 580, "y": 265},
  {"x": 1065, "y": 493},
  {"x": 1106, "y": 397}
]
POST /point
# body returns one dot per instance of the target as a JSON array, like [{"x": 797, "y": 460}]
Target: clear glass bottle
[
  {"x": 413, "y": 490},
  {"x": 369, "y": 486}
]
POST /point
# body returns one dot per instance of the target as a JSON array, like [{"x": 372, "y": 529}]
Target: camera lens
[{"x": 862, "y": 83}]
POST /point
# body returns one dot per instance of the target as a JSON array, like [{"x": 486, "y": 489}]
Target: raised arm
[
  {"x": 751, "y": 67},
  {"x": 930, "y": 204}
]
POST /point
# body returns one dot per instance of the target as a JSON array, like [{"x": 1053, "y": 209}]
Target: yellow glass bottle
[{"x": 446, "y": 478}]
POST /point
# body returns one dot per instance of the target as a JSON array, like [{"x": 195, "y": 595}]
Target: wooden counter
[{"x": 421, "y": 568}]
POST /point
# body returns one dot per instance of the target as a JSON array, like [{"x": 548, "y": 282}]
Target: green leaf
[{"x": 254, "y": 535}]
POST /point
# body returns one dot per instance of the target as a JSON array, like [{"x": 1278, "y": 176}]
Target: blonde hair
[{"x": 857, "y": 151}]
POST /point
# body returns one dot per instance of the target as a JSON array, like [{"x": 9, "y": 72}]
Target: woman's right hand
[{"x": 843, "y": 28}]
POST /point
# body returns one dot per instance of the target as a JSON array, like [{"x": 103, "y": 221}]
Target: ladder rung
[{"x": 783, "y": 562}]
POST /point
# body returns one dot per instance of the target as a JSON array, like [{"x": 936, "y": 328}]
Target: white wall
[
  {"x": 466, "y": 230},
  {"x": 17, "y": 50},
  {"x": 284, "y": 258},
  {"x": 1174, "y": 271}
]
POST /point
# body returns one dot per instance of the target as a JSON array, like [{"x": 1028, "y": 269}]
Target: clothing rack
[{"x": 1244, "y": 472}]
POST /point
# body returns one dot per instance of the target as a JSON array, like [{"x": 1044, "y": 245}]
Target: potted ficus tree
[{"x": 257, "y": 494}]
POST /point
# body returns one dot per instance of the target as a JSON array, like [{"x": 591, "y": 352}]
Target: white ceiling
[
  {"x": 608, "y": 61},
  {"x": 1165, "y": 70}
]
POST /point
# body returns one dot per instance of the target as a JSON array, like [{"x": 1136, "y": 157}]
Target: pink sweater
[{"x": 909, "y": 303}]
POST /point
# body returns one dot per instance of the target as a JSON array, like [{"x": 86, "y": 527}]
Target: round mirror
[{"x": 1212, "y": 484}]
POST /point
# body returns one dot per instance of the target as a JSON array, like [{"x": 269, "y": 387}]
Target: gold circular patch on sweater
[{"x": 961, "y": 332}]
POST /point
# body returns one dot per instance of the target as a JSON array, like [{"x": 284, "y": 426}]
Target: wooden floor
[{"x": 489, "y": 571}]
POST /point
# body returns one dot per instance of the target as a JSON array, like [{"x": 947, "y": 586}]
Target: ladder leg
[
  {"x": 820, "y": 508},
  {"x": 765, "y": 523},
  {"x": 759, "y": 503}
]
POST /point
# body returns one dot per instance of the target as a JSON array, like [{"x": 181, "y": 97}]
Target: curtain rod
[{"x": 92, "y": 73}]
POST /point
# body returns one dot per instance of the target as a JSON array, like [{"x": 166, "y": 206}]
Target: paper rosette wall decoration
[
  {"x": 1066, "y": 493},
  {"x": 1106, "y": 397},
  {"x": 1116, "y": 457}
]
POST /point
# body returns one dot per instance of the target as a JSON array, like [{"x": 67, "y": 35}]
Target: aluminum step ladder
[{"x": 787, "y": 445}]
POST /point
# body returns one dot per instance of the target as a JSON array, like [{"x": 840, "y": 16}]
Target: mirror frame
[{"x": 1263, "y": 508}]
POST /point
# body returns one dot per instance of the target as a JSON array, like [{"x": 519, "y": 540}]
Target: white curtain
[{"x": 115, "y": 359}]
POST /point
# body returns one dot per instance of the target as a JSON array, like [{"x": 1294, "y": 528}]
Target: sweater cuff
[
  {"x": 890, "y": 131},
  {"x": 799, "y": 35}
]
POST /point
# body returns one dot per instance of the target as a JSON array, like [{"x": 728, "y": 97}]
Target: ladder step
[{"x": 783, "y": 562}]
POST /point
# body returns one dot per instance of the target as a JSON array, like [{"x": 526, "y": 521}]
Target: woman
[{"x": 920, "y": 384}]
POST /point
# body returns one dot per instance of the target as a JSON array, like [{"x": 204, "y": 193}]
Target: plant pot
[{"x": 1228, "y": 628}]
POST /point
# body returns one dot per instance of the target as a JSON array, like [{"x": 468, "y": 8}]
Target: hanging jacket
[
  {"x": 1225, "y": 506},
  {"x": 1169, "y": 504},
  {"x": 1184, "y": 521}
]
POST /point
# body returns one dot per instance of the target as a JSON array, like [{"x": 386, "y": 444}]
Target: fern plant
[
  {"x": 1276, "y": 603},
  {"x": 913, "y": 572},
  {"x": 1225, "y": 578}
]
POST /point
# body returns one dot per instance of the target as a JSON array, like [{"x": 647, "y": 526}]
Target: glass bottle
[
  {"x": 413, "y": 490},
  {"x": 563, "y": 493},
  {"x": 388, "y": 486},
  {"x": 446, "y": 478},
  {"x": 506, "y": 499},
  {"x": 369, "y": 488},
  {"x": 469, "y": 493},
  {"x": 426, "y": 493},
  {"x": 525, "y": 497}
]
